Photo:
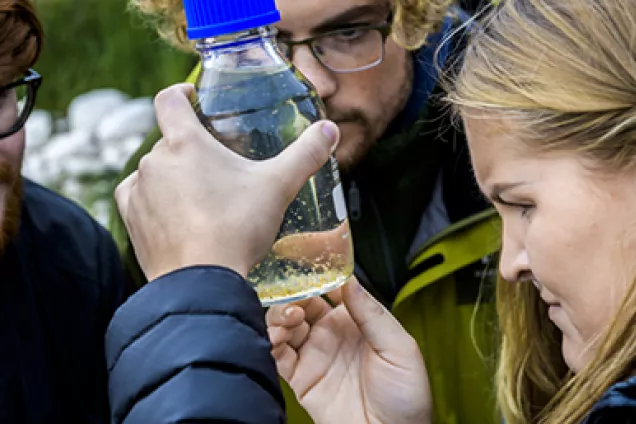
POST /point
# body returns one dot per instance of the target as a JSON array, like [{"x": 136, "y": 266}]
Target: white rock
[
  {"x": 66, "y": 145},
  {"x": 111, "y": 156},
  {"x": 35, "y": 169},
  {"x": 87, "y": 109},
  {"x": 132, "y": 118},
  {"x": 83, "y": 165},
  {"x": 38, "y": 128},
  {"x": 77, "y": 166},
  {"x": 71, "y": 154},
  {"x": 42, "y": 170}
]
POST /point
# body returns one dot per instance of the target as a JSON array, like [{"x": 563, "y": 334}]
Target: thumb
[
  {"x": 378, "y": 326},
  {"x": 174, "y": 111},
  {"x": 305, "y": 156}
]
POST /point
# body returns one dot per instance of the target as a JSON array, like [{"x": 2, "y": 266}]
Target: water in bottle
[{"x": 256, "y": 103}]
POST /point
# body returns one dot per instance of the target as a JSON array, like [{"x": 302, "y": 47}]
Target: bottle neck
[
  {"x": 253, "y": 47},
  {"x": 261, "y": 37}
]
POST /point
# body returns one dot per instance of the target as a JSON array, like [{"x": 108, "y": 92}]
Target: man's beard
[
  {"x": 354, "y": 153},
  {"x": 10, "y": 219},
  {"x": 370, "y": 133}
]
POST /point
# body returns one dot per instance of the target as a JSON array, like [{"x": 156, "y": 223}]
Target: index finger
[
  {"x": 311, "y": 310},
  {"x": 294, "y": 314}
]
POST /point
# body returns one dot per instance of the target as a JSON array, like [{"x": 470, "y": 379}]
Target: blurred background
[{"x": 101, "y": 65}]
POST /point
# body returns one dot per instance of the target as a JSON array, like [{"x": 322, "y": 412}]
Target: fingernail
[
  {"x": 330, "y": 130},
  {"x": 288, "y": 312}
]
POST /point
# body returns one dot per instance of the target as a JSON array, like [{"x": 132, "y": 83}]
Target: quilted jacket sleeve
[{"x": 192, "y": 346}]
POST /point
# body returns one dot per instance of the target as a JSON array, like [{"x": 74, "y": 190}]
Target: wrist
[
  {"x": 192, "y": 261},
  {"x": 195, "y": 268}
]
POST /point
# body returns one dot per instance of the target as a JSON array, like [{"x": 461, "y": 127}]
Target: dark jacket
[
  {"x": 417, "y": 180},
  {"x": 192, "y": 346},
  {"x": 617, "y": 406},
  {"x": 60, "y": 283}
]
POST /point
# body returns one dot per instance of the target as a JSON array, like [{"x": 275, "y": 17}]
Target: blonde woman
[{"x": 547, "y": 93}]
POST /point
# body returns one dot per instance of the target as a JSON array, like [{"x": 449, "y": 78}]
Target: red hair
[{"x": 21, "y": 38}]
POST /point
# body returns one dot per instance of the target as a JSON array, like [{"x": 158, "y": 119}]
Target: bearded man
[{"x": 60, "y": 276}]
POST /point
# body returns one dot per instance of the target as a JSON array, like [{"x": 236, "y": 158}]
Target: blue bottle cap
[{"x": 209, "y": 18}]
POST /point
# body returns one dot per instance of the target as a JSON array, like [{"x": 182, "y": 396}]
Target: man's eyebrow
[{"x": 346, "y": 17}]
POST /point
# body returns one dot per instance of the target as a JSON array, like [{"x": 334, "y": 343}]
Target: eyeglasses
[
  {"x": 345, "y": 50},
  {"x": 16, "y": 102}
]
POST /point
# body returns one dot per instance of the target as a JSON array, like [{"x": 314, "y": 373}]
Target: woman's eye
[{"x": 525, "y": 208}]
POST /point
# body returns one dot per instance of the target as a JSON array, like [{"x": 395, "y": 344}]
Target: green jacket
[{"x": 423, "y": 240}]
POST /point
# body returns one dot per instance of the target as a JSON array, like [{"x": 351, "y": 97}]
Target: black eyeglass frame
[
  {"x": 32, "y": 80},
  {"x": 384, "y": 29}
]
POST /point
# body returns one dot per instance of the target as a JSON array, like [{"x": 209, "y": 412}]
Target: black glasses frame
[
  {"x": 383, "y": 29},
  {"x": 32, "y": 80}
]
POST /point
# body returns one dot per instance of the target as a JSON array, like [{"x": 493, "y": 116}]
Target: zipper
[
  {"x": 386, "y": 252},
  {"x": 355, "y": 213},
  {"x": 354, "y": 202}
]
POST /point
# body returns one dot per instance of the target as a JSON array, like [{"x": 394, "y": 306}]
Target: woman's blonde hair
[
  {"x": 564, "y": 74},
  {"x": 413, "y": 20}
]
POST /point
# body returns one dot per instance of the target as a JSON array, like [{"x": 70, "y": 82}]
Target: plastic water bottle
[{"x": 253, "y": 100}]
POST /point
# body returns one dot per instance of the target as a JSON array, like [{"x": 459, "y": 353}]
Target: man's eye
[{"x": 351, "y": 34}]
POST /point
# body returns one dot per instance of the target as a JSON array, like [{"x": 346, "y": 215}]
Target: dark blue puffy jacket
[{"x": 191, "y": 347}]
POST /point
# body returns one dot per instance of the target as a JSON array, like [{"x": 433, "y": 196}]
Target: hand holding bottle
[{"x": 193, "y": 201}]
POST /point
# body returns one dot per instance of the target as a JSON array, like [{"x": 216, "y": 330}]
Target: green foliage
[{"x": 100, "y": 44}]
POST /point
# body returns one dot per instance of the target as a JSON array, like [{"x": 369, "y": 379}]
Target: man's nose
[{"x": 323, "y": 79}]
